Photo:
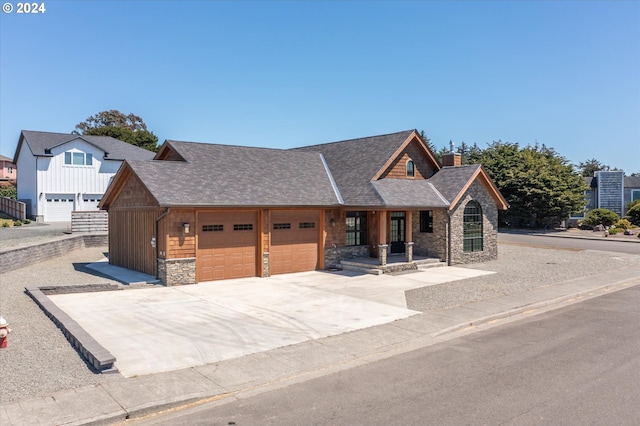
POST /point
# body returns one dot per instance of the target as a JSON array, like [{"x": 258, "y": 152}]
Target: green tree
[
  {"x": 600, "y": 217},
  {"x": 427, "y": 141},
  {"x": 633, "y": 215},
  {"x": 540, "y": 186},
  {"x": 589, "y": 167},
  {"x": 128, "y": 128}
]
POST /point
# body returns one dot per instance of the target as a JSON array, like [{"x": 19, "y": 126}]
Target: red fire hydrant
[{"x": 4, "y": 332}]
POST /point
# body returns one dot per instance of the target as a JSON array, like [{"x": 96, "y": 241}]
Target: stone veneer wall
[
  {"x": 333, "y": 255},
  {"x": 431, "y": 244},
  {"x": 177, "y": 271},
  {"x": 476, "y": 192}
]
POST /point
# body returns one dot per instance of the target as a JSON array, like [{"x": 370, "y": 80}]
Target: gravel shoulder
[
  {"x": 40, "y": 361},
  {"x": 518, "y": 268}
]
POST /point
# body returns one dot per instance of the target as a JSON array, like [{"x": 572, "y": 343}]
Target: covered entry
[
  {"x": 294, "y": 241},
  {"x": 227, "y": 245}
]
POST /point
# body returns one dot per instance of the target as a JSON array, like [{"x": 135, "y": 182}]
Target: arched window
[
  {"x": 472, "y": 225},
  {"x": 410, "y": 169}
]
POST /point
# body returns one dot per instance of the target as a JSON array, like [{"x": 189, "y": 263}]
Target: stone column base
[
  {"x": 382, "y": 254},
  {"x": 177, "y": 271},
  {"x": 408, "y": 250}
]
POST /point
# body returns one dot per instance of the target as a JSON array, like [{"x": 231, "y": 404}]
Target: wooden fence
[
  {"x": 91, "y": 221},
  {"x": 14, "y": 208}
]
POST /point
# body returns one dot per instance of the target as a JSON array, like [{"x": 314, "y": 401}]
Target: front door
[{"x": 397, "y": 232}]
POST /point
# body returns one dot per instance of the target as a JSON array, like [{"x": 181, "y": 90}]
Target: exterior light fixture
[
  {"x": 332, "y": 222},
  {"x": 185, "y": 227}
]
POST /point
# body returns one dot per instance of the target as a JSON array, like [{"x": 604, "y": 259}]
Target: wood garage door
[
  {"x": 294, "y": 241},
  {"x": 227, "y": 245}
]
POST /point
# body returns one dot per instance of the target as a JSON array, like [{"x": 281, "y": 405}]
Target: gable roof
[
  {"x": 334, "y": 174},
  {"x": 452, "y": 182},
  {"x": 355, "y": 163},
  {"x": 235, "y": 176},
  {"x": 41, "y": 142},
  {"x": 3, "y": 158}
]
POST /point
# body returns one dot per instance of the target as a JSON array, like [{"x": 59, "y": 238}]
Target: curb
[
  {"x": 93, "y": 352},
  {"x": 580, "y": 237},
  {"x": 551, "y": 303}
]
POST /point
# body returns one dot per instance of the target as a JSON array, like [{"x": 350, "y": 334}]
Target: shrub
[
  {"x": 623, "y": 224},
  {"x": 633, "y": 215},
  {"x": 26, "y": 221},
  {"x": 5, "y": 224},
  {"x": 601, "y": 217},
  {"x": 613, "y": 231},
  {"x": 17, "y": 223}
]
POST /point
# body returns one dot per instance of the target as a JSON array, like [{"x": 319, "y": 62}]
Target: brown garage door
[
  {"x": 294, "y": 241},
  {"x": 227, "y": 245}
]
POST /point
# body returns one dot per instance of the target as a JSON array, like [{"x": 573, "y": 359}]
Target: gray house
[{"x": 611, "y": 190}]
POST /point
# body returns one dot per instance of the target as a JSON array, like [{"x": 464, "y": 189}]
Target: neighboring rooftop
[{"x": 40, "y": 143}]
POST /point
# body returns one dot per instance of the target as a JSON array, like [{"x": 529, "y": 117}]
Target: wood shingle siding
[{"x": 424, "y": 168}]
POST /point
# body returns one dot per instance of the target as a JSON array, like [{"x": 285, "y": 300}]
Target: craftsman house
[
  {"x": 62, "y": 172},
  {"x": 202, "y": 212}
]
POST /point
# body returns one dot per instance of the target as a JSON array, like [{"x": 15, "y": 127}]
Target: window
[
  {"x": 306, "y": 225},
  {"x": 356, "y": 228},
  {"x": 212, "y": 228},
  {"x": 10, "y": 169},
  {"x": 281, "y": 226},
  {"x": 243, "y": 227},
  {"x": 635, "y": 194},
  {"x": 78, "y": 158},
  {"x": 472, "y": 227},
  {"x": 410, "y": 169},
  {"x": 426, "y": 221}
]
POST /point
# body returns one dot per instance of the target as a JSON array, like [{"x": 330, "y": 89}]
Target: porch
[{"x": 395, "y": 263}]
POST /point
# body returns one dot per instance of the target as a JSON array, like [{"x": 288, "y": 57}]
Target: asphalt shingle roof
[
  {"x": 450, "y": 181},
  {"x": 39, "y": 142},
  {"x": 224, "y": 175},
  {"x": 409, "y": 193},
  {"x": 332, "y": 174},
  {"x": 353, "y": 163}
]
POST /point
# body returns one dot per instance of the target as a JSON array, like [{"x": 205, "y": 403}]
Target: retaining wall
[{"x": 25, "y": 256}]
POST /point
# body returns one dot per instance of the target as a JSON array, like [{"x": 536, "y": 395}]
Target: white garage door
[
  {"x": 90, "y": 202},
  {"x": 58, "y": 208}
]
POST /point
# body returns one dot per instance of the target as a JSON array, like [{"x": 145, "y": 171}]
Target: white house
[{"x": 59, "y": 172}]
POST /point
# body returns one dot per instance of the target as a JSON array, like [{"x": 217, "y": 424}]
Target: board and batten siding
[
  {"x": 132, "y": 226},
  {"x": 130, "y": 236}
]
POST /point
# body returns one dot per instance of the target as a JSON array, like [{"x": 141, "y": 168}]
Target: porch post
[
  {"x": 382, "y": 237},
  {"x": 408, "y": 227}
]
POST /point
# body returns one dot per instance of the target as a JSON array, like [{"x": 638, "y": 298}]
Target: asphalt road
[
  {"x": 570, "y": 243},
  {"x": 573, "y": 366}
]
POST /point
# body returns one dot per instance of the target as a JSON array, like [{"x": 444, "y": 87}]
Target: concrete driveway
[{"x": 152, "y": 330}]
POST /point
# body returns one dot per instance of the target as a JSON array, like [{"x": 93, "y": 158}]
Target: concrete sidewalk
[{"x": 250, "y": 374}]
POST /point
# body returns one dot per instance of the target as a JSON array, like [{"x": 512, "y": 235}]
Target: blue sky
[{"x": 285, "y": 74}]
